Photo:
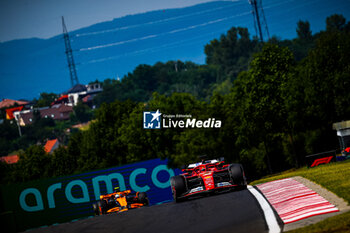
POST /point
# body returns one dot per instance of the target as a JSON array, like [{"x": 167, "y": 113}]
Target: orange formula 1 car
[{"x": 119, "y": 202}]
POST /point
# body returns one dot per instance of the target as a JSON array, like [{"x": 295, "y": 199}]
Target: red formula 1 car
[{"x": 206, "y": 177}]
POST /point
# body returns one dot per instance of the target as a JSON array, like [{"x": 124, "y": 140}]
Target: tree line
[{"x": 277, "y": 102}]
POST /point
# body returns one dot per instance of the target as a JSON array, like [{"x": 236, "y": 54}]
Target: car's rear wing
[
  {"x": 193, "y": 165},
  {"x": 106, "y": 196}
]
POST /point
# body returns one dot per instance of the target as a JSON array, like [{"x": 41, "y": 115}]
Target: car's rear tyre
[
  {"x": 178, "y": 186},
  {"x": 103, "y": 206},
  {"x": 96, "y": 208},
  {"x": 237, "y": 175},
  {"x": 142, "y": 198}
]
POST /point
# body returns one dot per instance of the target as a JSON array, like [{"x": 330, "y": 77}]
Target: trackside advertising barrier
[
  {"x": 321, "y": 158},
  {"x": 45, "y": 202}
]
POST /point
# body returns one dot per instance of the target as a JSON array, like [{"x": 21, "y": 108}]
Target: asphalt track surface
[{"x": 236, "y": 211}]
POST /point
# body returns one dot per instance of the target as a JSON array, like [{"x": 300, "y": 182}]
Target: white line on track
[{"x": 268, "y": 212}]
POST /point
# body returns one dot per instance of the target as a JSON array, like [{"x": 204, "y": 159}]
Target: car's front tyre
[
  {"x": 236, "y": 173},
  {"x": 96, "y": 208},
  {"x": 178, "y": 186},
  {"x": 142, "y": 198}
]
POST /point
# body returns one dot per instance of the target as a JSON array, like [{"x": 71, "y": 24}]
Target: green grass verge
[
  {"x": 336, "y": 178},
  {"x": 336, "y": 224}
]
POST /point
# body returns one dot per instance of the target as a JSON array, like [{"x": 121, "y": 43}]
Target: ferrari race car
[
  {"x": 206, "y": 177},
  {"x": 119, "y": 201}
]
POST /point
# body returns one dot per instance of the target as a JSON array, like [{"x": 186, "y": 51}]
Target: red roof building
[
  {"x": 5, "y": 103},
  {"x": 10, "y": 159},
  {"x": 56, "y": 112},
  {"x": 51, "y": 145},
  {"x": 10, "y": 111},
  {"x": 62, "y": 99}
]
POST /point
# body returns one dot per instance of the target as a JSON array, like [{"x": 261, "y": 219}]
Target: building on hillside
[
  {"x": 57, "y": 112},
  {"x": 84, "y": 93},
  {"x": 10, "y": 106},
  {"x": 10, "y": 159},
  {"x": 80, "y": 92},
  {"x": 10, "y": 112},
  {"x": 6, "y": 103},
  {"x": 51, "y": 145},
  {"x": 62, "y": 100}
]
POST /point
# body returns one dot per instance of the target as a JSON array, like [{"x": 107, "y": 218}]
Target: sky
[{"x": 42, "y": 18}]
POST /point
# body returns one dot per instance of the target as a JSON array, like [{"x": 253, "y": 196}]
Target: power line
[
  {"x": 164, "y": 33},
  {"x": 171, "y": 45},
  {"x": 159, "y": 34},
  {"x": 154, "y": 22},
  {"x": 263, "y": 27},
  {"x": 259, "y": 11},
  {"x": 259, "y": 8}
]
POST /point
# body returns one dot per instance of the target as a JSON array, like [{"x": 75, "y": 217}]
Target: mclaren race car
[
  {"x": 119, "y": 201},
  {"x": 207, "y": 177}
]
